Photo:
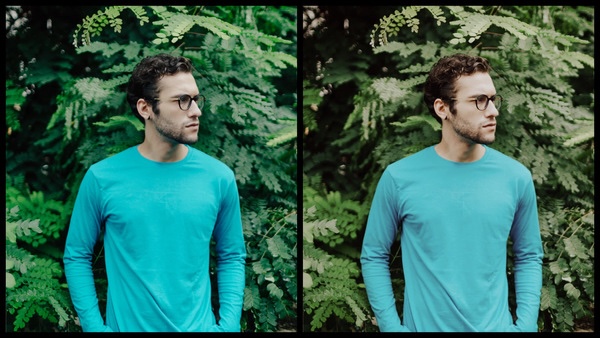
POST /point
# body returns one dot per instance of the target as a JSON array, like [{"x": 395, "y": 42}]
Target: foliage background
[
  {"x": 363, "y": 70},
  {"x": 66, "y": 70}
]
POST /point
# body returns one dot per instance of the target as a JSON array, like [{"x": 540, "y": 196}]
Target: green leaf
[
  {"x": 307, "y": 281},
  {"x": 575, "y": 248},
  {"x": 10, "y": 280},
  {"x": 572, "y": 290},
  {"x": 274, "y": 290},
  {"x": 278, "y": 248}
]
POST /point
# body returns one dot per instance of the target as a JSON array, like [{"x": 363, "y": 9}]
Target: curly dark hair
[
  {"x": 145, "y": 76},
  {"x": 441, "y": 82}
]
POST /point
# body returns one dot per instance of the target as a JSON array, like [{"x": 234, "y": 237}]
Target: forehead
[
  {"x": 475, "y": 84},
  {"x": 177, "y": 84}
]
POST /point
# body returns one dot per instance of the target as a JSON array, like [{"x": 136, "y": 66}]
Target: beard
[
  {"x": 173, "y": 132},
  {"x": 469, "y": 132}
]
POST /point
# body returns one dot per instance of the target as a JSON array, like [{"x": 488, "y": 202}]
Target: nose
[
  {"x": 194, "y": 110},
  {"x": 492, "y": 110}
]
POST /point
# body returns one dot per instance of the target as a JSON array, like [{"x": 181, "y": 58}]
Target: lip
[
  {"x": 489, "y": 125},
  {"x": 192, "y": 125}
]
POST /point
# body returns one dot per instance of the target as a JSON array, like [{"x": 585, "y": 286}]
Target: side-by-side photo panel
[
  {"x": 152, "y": 169},
  {"x": 448, "y": 160}
]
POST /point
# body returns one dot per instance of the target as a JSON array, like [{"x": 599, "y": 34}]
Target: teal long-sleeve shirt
[
  {"x": 158, "y": 220},
  {"x": 454, "y": 221}
]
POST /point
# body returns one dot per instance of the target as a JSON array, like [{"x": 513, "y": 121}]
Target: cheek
[
  {"x": 167, "y": 119},
  {"x": 468, "y": 116}
]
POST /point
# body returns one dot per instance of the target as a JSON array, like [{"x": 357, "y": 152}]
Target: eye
[
  {"x": 482, "y": 100},
  {"x": 185, "y": 99}
]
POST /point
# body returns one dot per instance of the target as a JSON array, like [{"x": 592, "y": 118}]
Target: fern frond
[
  {"x": 121, "y": 121},
  {"x": 389, "y": 26},
  {"x": 287, "y": 134},
  {"x": 471, "y": 28},
  {"x": 389, "y": 89},
  {"x": 92, "y": 89},
  {"x": 583, "y": 134},
  {"x": 418, "y": 121},
  {"x": 94, "y": 24},
  {"x": 515, "y": 27}
]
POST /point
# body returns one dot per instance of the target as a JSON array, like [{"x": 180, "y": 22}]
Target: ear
[
  {"x": 144, "y": 108},
  {"x": 441, "y": 108}
]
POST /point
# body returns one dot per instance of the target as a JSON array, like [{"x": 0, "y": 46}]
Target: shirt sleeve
[
  {"x": 231, "y": 260},
  {"x": 83, "y": 233},
  {"x": 382, "y": 228},
  {"x": 528, "y": 254}
]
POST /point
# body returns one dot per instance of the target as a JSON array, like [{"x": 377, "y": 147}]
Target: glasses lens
[
  {"x": 199, "y": 101},
  {"x": 497, "y": 101},
  {"x": 185, "y": 101},
  {"x": 481, "y": 102}
]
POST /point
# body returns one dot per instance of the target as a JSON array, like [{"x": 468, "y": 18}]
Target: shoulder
[
  {"x": 115, "y": 161},
  {"x": 423, "y": 156},
  {"x": 409, "y": 168},
  {"x": 200, "y": 158},
  {"x": 508, "y": 163}
]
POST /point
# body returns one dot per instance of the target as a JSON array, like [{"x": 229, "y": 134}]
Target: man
[
  {"x": 455, "y": 205},
  {"x": 159, "y": 204}
]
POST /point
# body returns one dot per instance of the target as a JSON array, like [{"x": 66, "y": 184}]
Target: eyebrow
[
  {"x": 180, "y": 95},
  {"x": 477, "y": 95}
]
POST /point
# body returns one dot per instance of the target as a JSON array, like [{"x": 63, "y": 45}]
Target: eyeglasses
[
  {"x": 482, "y": 101},
  {"x": 185, "y": 101}
]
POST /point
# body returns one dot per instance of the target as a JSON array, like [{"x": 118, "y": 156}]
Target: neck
[
  {"x": 163, "y": 151},
  {"x": 460, "y": 151}
]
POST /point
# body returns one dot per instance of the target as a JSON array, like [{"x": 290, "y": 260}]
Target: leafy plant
[
  {"x": 330, "y": 300},
  {"x": 14, "y": 100},
  {"x": 32, "y": 282},
  {"x": 270, "y": 296}
]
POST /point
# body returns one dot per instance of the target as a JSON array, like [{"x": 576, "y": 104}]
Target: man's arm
[
  {"x": 84, "y": 230},
  {"x": 231, "y": 260},
  {"x": 382, "y": 228},
  {"x": 528, "y": 254}
]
